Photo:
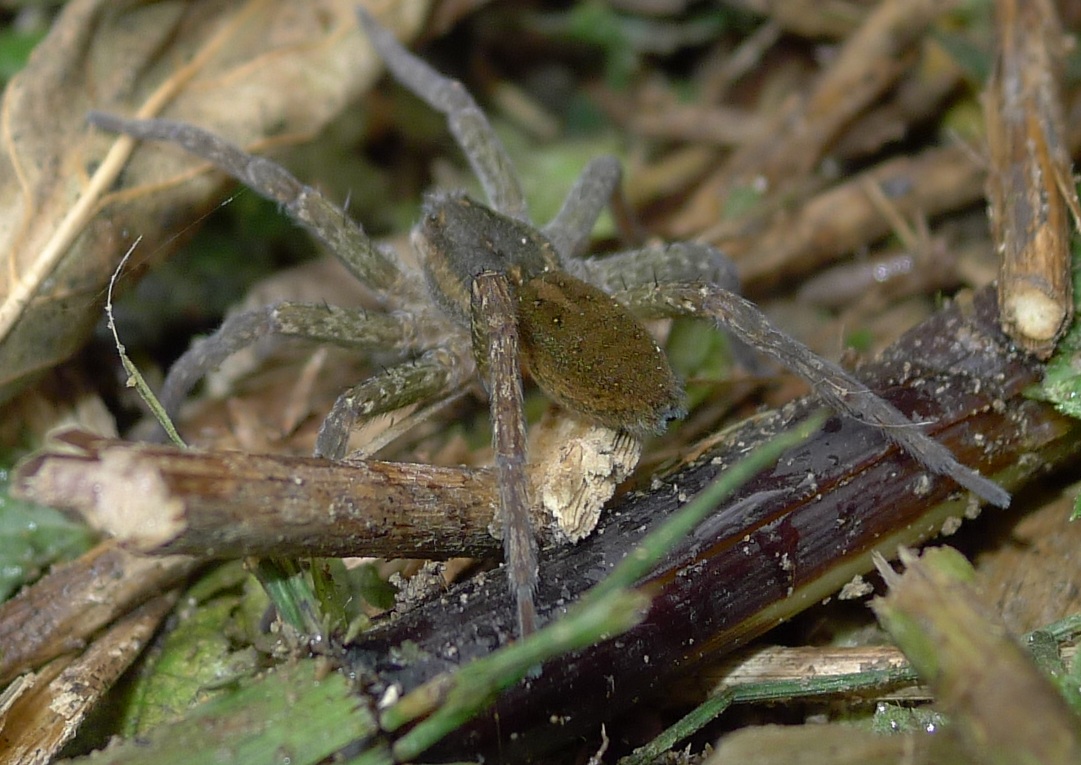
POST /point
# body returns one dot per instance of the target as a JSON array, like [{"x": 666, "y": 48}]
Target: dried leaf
[{"x": 262, "y": 73}]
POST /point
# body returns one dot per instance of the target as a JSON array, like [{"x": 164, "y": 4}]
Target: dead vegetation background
[{"x": 843, "y": 153}]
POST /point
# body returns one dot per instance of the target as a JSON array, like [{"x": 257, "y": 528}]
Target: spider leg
[
  {"x": 679, "y": 262},
  {"x": 495, "y": 337},
  {"x": 304, "y": 204},
  {"x": 569, "y": 231},
  {"x": 338, "y": 326},
  {"x": 470, "y": 128},
  {"x": 592, "y": 191},
  {"x": 840, "y": 390},
  {"x": 434, "y": 375}
]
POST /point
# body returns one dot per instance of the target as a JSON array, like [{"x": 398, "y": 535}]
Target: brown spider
[{"x": 496, "y": 294}]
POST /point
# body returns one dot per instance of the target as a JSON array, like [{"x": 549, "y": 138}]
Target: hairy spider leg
[
  {"x": 658, "y": 263},
  {"x": 837, "y": 387},
  {"x": 434, "y": 375},
  {"x": 470, "y": 128},
  {"x": 593, "y": 190},
  {"x": 495, "y": 338},
  {"x": 398, "y": 332},
  {"x": 347, "y": 328},
  {"x": 597, "y": 186},
  {"x": 375, "y": 266}
]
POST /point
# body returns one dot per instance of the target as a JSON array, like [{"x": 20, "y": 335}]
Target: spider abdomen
[{"x": 593, "y": 356}]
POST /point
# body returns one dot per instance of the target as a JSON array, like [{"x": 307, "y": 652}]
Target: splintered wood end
[{"x": 1037, "y": 318}]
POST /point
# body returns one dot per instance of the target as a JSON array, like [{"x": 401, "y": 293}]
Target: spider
[{"x": 496, "y": 294}]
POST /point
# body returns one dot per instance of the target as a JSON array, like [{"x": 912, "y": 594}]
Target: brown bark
[
  {"x": 65, "y": 609},
  {"x": 163, "y": 500},
  {"x": 53, "y": 703},
  {"x": 1030, "y": 184}
]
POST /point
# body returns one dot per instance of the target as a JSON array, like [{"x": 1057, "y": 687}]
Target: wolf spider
[{"x": 496, "y": 294}]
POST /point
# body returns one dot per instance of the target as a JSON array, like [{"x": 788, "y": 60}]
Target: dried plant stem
[
  {"x": 1003, "y": 709},
  {"x": 66, "y": 608},
  {"x": 49, "y": 711},
  {"x": 869, "y": 61},
  {"x": 872, "y": 59},
  {"x": 1030, "y": 185},
  {"x": 135, "y": 377},
  {"x": 231, "y": 504},
  {"x": 844, "y": 217}
]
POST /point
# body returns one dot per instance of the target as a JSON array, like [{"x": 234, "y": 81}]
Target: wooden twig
[
  {"x": 872, "y": 59},
  {"x": 844, "y": 218},
  {"x": 1002, "y": 708},
  {"x": 716, "y": 125},
  {"x": 49, "y": 712},
  {"x": 1030, "y": 185},
  {"x": 64, "y": 610},
  {"x": 831, "y": 19},
  {"x": 917, "y": 99},
  {"x": 163, "y": 500}
]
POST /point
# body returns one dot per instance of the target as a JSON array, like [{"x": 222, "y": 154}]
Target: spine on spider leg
[{"x": 495, "y": 343}]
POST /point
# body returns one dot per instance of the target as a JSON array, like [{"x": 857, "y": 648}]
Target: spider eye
[{"x": 458, "y": 239}]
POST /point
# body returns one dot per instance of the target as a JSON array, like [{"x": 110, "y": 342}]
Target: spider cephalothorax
[
  {"x": 581, "y": 346},
  {"x": 501, "y": 293}
]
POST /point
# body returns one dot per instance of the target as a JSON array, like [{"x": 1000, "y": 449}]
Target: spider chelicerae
[{"x": 497, "y": 293}]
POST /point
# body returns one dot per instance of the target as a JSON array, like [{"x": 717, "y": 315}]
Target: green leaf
[
  {"x": 32, "y": 538},
  {"x": 296, "y": 713},
  {"x": 198, "y": 659},
  {"x": 1062, "y": 380},
  {"x": 15, "y": 47}
]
